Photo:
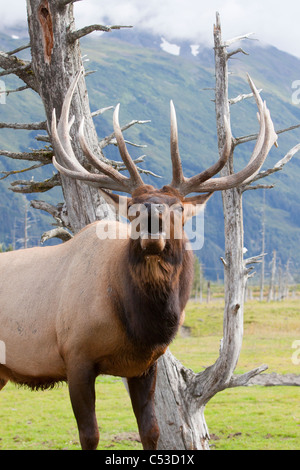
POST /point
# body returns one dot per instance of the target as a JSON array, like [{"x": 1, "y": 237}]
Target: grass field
[{"x": 240, "y": 419}]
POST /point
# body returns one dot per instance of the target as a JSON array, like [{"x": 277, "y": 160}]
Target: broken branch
[
  {"x": 16, "y": 172},
  {"x": 101, "y": 111},
  {"x": 58, "y": 232},
  {"x": 75, "y": 35},
  {"x": 108, "y": 140},
  {"x": 250, "y": 137},
  {"x": 243, "y": 379},
  {"x": 34, "y": 126},
  {"x": 242, "y": 97},
  {"x": 237, "y": 39},
  {"x": 44, "y": 156},
  {"x": 26, "y": 187},
  {"x": 237, "y": 51},
  {"x": 64, "y": 3},
  {"x": 21, "y": 88},
  {"x": 21, "y": 69},
  {"x": 19, "y": 49}
]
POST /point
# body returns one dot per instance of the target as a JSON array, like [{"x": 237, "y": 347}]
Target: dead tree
[
  {"x": 189, "y": 393},
  {"x": 181, "y": 394},
  {"x": 271, "y": 295}
]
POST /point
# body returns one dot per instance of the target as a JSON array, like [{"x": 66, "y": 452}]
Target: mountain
[{"x": 136, "y": 70}]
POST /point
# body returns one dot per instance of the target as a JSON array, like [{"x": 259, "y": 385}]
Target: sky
[{"x": 274, "y": 22}]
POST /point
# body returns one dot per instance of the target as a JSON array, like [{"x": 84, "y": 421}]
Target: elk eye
[{"x": 178, "y": 208}]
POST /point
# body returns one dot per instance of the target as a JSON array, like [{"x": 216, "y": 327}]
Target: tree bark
[{"x": 55, "y": 61}]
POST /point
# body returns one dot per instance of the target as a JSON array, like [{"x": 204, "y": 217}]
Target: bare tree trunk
[
  {"x": 271, "y": 295},
  {"x": 56, "y": 58},
  {"x": 181, "y": 395},
  {"x": 263, "y": 243}
]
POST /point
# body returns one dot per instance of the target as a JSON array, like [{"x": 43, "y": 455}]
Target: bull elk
[{"x": 89, "y": 306}]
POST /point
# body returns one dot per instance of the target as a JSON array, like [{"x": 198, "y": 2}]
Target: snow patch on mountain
[{"x": 170, "y": 48}]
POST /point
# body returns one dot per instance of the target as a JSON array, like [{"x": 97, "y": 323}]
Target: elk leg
[
  {"x": 141, "y": 390},
  {"x": 81, "y": 383}
]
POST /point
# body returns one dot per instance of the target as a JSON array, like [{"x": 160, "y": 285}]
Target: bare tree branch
[
  {"x": 242, "y": 97},
  {"x": 64, "y": 3},
  {"x": 26, "y": 187},
  {"x": 10, "y": 62},
  {"x": 108, "y": 140},
  {"x": 16, "y": 172},
  {"x": 43, "y": 138},
  {"x": 49, "y": 208},
  {"x": 59, "y": 212},
  {"x": 13, "y": 70},
  {"x": 34, "y": 126},
  {"x": 21, "y": 88},
  {"x": 44, "y": 156},
  {"x": 237, "y": 51},
  {"x": 258, "y": 186},
  {"x": 273, "y": 379},
  {"x": 19, "y": 49},
  {"x": 101, "y": 111},
  {"x": 254, "y": 259},
  {"x": 58, "y": 232},
  {"x": 73, "y": 36},
  {"x": 237, "y": 39},
  {"x": 243, "y": 379},
  {"x": 250, "y": 137}
]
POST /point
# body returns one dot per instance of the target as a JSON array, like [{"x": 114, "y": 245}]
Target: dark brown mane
[{"x": 157, "y": 288}]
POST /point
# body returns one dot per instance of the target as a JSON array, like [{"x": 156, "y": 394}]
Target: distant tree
[{"x": 198, "y": 280}]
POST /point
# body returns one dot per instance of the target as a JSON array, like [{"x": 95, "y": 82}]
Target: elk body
[{"x": 109, "y": 306}]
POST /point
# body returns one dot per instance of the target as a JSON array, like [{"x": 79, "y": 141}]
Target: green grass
[{"x": 244, "y": 418}]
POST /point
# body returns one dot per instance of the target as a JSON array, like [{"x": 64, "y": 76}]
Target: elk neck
[{"x": 157, "y": 289}]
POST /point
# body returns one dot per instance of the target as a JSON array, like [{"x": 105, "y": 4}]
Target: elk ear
[
  {"x": 118, "y": 203},
  {"x": 195, "y": 204}
]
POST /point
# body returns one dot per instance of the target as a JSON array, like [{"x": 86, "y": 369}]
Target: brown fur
[{"x": 91, "y": 307}]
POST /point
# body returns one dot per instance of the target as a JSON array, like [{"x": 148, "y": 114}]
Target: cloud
[
  {"x": 275, "y": 22},
  {"x": 12, "y": 13}
]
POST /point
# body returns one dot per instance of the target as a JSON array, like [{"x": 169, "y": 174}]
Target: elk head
[{"x": 155, "y": 213}]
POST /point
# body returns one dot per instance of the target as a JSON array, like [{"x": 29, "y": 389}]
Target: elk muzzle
[{"x": 154, "y": 218}]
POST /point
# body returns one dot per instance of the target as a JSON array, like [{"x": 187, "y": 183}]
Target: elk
[{"x": 94, "y": 306}]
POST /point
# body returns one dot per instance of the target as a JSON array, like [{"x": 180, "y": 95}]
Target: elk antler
[
  {"x": 70, "y": 166},
  {"x": 203, "y": 182}
]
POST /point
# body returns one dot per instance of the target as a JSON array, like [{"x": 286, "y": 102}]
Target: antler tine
[
  {"x": 101, "y": 166},
  {"x": 135, "y": 177},
  {"x": 266, "y": 138},
  {"x": 68, "y": 159},
  {"x": 64, "y": 125},
  {"x": 71, "y": 167},
  {"x": 178, "y": 177},
  {"x": 93, "y": 179},
  {"x": 189, "y": 185},
  {"x": 195, "y": 181}
]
